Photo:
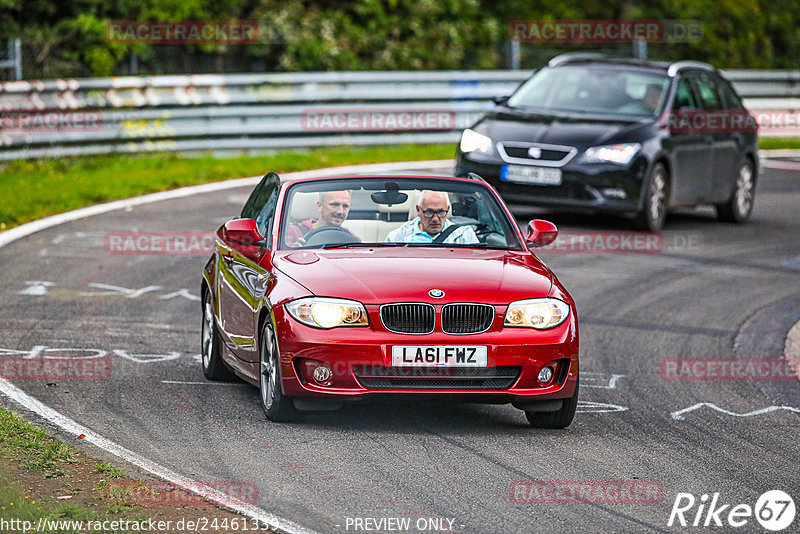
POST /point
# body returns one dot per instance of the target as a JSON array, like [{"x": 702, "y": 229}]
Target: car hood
[
  {"x": 580, "y": 132},
  {"x": 379, "y": 275}
]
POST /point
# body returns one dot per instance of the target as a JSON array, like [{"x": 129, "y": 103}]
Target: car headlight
[
  {"x": 472, "y": 141},
  {"x": 540, "y": 314},
  {"x": 622, "y": 153},
  {"x": 322, "y": 312}
]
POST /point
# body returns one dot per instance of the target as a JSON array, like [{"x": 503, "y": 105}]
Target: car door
[
  {"x": 724, "y": 158},
  {"x": 730, "y": 145},
  {"x": 690, "y": 146},
  {"x": 242, "y": 280}
]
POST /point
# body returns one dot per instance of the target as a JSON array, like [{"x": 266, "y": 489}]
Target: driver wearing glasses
[{"x": 431, "y": 224}]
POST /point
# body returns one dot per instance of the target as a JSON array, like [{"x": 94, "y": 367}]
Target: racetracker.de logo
[
  {"x": 51, "y": 368},
  {"x": 182, "y": 493},
  {"x": 376, "y": 120},
  {"x": 586, "y": 492},
  {"x": 729, "y": 369},
  {"x": 182, "y": 32},
  {"x": 605, "y": 31},
  {"x": 605, "y": 242},
  {"x": 50, "y": 120},
  {"x": 158, "y": 243}
]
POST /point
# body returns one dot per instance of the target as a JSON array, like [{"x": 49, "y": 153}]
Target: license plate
[
  {"x": 441, "y": 356},
  {"x": 524, "y": 174}
]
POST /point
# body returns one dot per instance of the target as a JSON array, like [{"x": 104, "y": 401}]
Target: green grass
[
  {"x": 34, "y": 189},
  {"x": 15, "y": 504},
  {"x": 769, "y": 143},
  {"x": 32, "y": 447}
]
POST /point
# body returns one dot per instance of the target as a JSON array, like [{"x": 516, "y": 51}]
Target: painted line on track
[{"x": 70, "y": 426}]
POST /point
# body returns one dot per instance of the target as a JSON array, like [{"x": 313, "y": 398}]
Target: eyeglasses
[{"x": 430, "y": 213}]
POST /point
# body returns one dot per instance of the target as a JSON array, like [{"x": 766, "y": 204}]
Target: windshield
[
  {"x": 394, "y": 212},
  {"x": 604, "y": 90}
]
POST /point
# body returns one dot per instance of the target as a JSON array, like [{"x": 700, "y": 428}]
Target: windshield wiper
[{"x": 361, "y": 245}]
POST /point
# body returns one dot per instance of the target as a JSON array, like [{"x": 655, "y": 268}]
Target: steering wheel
[{"x": 329, "y": 234}]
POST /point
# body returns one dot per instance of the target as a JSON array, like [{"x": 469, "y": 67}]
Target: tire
[
  {"x": 654, "y": 213},
  {"x": 561, "y": 418},
  {"x": 210, "y": 354},
  {"x": 739, "y": 207},
  {"x": 277, "y": 406}
]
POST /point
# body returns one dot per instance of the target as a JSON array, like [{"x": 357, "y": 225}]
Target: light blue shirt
[{"x": 411, "y": 232}]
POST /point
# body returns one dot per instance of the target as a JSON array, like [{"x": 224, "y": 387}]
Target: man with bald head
[{"x": 430, "y": 222}]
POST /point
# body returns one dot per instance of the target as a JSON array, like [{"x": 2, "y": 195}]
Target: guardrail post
[
  {"x": 14, "y": 60},
  {"x": 18, "y": 59},
  {"x": 515, "y": 54}
]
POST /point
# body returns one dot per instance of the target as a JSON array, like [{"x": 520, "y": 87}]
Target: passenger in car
[
  {"x": 333, "y": 208},
  {"x": 431, "y": 224},
  {"x": 652, "y": 97}
]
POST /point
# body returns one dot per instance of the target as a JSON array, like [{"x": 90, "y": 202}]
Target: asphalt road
[{"x": 714, "y": 291}]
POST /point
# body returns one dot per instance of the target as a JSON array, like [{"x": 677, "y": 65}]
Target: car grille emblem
[
  {"x": 436, "y": 293},
  {"x": 535, "y": 152}
]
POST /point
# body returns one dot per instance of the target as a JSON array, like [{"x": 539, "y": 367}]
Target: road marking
[
  {"x": 36, "y": 288},
  {"x": 183, "y": 382},
  {"x": 598, "y": 407},
  {"x": 147, "y": 358},
  {"x": 116, "y": 290},
  {"x": 679, "y": 415},
  {"x": 194, "y": 487},
  {"x": 607, "y": 381},
  {"x": 180, "y": 293}
]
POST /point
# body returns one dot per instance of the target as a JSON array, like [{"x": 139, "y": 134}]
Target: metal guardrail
[{"x": 270, "y": 111}]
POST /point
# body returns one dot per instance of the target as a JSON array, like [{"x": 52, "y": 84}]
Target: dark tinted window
[
  {"x": 684, "y": 97},
  {"x": 261, "y": 204},
  {"x": 731, "y": 99},
  {"x": 709, "y": 95}
]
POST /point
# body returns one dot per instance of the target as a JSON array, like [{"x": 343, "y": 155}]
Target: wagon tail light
[
  {"x": 540, "y": 314},
  {"x": 323, "y": 312}
]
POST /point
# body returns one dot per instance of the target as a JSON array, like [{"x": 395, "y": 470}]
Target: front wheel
[
  {"x": 277, "y": 406},
  {"x": 211, "y": 356},
  {"x": 561, "y": 418},
  {"x": 654, "y": 213},
  {"x": 739, "y": 207}
]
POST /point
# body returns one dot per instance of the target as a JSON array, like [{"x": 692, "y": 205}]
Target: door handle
[{"x": 228, "y": 258}]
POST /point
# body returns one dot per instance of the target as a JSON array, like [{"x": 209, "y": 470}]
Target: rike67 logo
[{"x": 774, "y": 510}]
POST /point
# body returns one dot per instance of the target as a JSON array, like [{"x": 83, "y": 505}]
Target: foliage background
[{"x": 67, "y": 37}]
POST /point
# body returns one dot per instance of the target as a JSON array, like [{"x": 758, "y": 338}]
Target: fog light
[
  {"x": 615, "y": 192},
  {"x": 322, "y": 374},
  {"x": 546, "y": 375}
]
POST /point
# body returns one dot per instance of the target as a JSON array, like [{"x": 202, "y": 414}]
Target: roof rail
[
  {"x": 574, "y": 56},
  {"x": 681, "y": 65}
]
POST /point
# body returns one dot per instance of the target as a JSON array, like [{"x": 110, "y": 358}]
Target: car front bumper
[
  {"x": 600, "y": 187},
  {"x": 361, "y": 361}
]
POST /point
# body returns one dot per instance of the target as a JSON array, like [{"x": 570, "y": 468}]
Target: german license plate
[
  {"x": 524, "y": 174},
  {"x": 443, "y": 356}
]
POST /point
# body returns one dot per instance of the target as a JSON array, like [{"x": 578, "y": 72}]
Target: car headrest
[{"x": 304, "y": 206}]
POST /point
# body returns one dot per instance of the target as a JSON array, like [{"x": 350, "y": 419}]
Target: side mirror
[
  {"x": 500, "y": 100},
  {"x": 243, "y": 232},
  {"x": 541, "y": 233}
]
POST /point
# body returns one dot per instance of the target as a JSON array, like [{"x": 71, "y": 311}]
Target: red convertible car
[{"x": 332, "y": 289}]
